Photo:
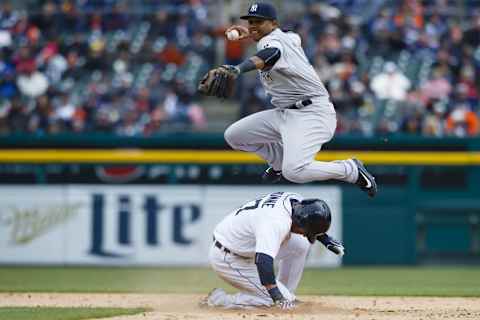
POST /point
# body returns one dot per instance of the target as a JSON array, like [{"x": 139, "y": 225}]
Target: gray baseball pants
[{"x": 289, "y": 139}]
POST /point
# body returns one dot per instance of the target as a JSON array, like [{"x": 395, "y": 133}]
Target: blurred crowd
[
  {"x": 131, "y": 68},
  {"x": 404, "y": 66},
  {"x": 102, "y": 66}
]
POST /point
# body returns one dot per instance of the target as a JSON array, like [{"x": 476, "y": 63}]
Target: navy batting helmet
[{"x": 312, "y": 215}]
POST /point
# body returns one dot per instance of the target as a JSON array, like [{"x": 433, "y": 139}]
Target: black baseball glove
[{"x": 219, "y": 82}]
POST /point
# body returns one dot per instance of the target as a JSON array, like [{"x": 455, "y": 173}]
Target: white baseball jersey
[
  {"x": 261, "y": 225},
  {"x": 292, "y": 78}
]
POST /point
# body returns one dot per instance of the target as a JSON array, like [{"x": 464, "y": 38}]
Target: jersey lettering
[
  {"x": 272, "y": 200},
  {"x": 247, "y": 207},
  {"x": 266, "y": 76}
]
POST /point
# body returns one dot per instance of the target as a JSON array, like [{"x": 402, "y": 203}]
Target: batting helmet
[{"x": 312, "y": 215}]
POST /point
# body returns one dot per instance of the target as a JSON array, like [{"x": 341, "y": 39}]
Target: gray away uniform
[{"x": 289, "y": 139}]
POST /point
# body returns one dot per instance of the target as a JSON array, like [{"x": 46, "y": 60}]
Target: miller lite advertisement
[{"x": 130, "y": 225}]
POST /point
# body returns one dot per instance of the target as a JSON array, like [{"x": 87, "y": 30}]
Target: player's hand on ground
[
  {"x": 285, "y": 304},
  {"x": 331, "y": 244},
  {"x": 242, "y": 30}
]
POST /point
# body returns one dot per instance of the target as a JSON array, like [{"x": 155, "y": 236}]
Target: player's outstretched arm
[
  {"x": 263, "y": 59},
  {"x": 219, "y": 82},
  {"x": 266, "y": 273}
]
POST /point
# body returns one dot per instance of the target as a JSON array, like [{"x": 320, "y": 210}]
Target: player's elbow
[{"x": 267, "y": 57}]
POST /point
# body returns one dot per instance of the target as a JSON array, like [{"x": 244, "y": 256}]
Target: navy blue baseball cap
[{"x": 262, "y": 11}]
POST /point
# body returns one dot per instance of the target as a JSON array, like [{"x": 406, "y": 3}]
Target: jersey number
[{"x": 253, "y": 206}]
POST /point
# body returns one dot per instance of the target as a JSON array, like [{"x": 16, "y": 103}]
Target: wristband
[
  {"x": 275, "y": 294},
  {"x": 245, "y": 66}
]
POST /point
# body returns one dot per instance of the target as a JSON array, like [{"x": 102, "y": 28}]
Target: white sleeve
[{"x": 270, "y": 235}]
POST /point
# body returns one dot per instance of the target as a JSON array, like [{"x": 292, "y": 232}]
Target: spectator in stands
[
  {"x": 8, "y": 16},
  {"x": 8, "y": 87},
  {"x": 181, "y": 110},
  {"x": 255, "y": 99},
  {"x": 391, "y": 84},
  {"x": 462, "y": 122},
  {"x": 157, "y": 119},
  {"x": 48, "y": 20},
  {"x": 434, "y": 28},
  {"x": 54, "y": 63},
  {"x": 472, "y": 37},
  {"x": 17, "y": 116},
  {"x": 31, "y": 82},
  {"x": 42, "y": 120},
  {"x": 413, "y": 122},
  {"x": 161, "y": 25},
  {"x": 467, "y": 88},
  {"x": 70, "y": 65},
  {"x": 434, "y": 122},
  {"x": 437, "y": 87}
]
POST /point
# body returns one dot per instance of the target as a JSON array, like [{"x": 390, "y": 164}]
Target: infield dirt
[{"x": 185, "y": 307}]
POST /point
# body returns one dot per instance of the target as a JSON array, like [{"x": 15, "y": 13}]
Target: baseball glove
[{"x": 219, "y": 82}]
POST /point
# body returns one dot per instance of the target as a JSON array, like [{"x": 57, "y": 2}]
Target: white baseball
[{"x": 233, "y": 34}]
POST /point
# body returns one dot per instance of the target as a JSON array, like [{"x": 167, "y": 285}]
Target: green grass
[
  {"x": 37, "y": 313},
  {"x": 391, "y": 281}
]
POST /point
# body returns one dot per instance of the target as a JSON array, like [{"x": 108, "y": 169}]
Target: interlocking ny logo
[{"x": 254, "y": 8}]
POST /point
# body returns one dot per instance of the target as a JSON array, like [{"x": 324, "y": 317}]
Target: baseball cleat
[
  {"x": 215, "y": 298},
  {"x": 271, "y": 176},
  {"x": 365, "y": 180}
]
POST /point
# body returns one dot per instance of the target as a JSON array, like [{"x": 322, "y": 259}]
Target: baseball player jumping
[
  {"x": 280, "y": 226},
  {"x": 289, "y": 136}
]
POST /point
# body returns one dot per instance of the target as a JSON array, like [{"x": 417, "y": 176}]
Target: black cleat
[
  {"x": 271, "y": 176},
  {"x": 365, "y": 180}
]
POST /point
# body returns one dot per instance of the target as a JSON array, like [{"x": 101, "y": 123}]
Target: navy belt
[
  {"x": 221, "y": 247},
  {"x": 225, "y": 249},
  {"x": 300, "y": 104}
]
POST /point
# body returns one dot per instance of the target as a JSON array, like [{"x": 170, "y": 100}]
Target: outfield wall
[
  {"x": 130, "y": 225},
  {"x": 427, "y": 209}
]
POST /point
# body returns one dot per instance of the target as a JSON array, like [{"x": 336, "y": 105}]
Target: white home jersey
[
  {"x": 260, "y": 225},
  {"x": 292, "y": 78}
]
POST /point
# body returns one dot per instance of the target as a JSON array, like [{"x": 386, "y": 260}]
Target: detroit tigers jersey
[
  {"x": 292, "y": 78},
  {"x": 260, "y": 225}
]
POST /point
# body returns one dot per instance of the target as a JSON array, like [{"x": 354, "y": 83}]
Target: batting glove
[
  {"x": 285, "y": 304},
  {"x": 331, "y": 244},
  {"x": 279, "y": 300}
]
